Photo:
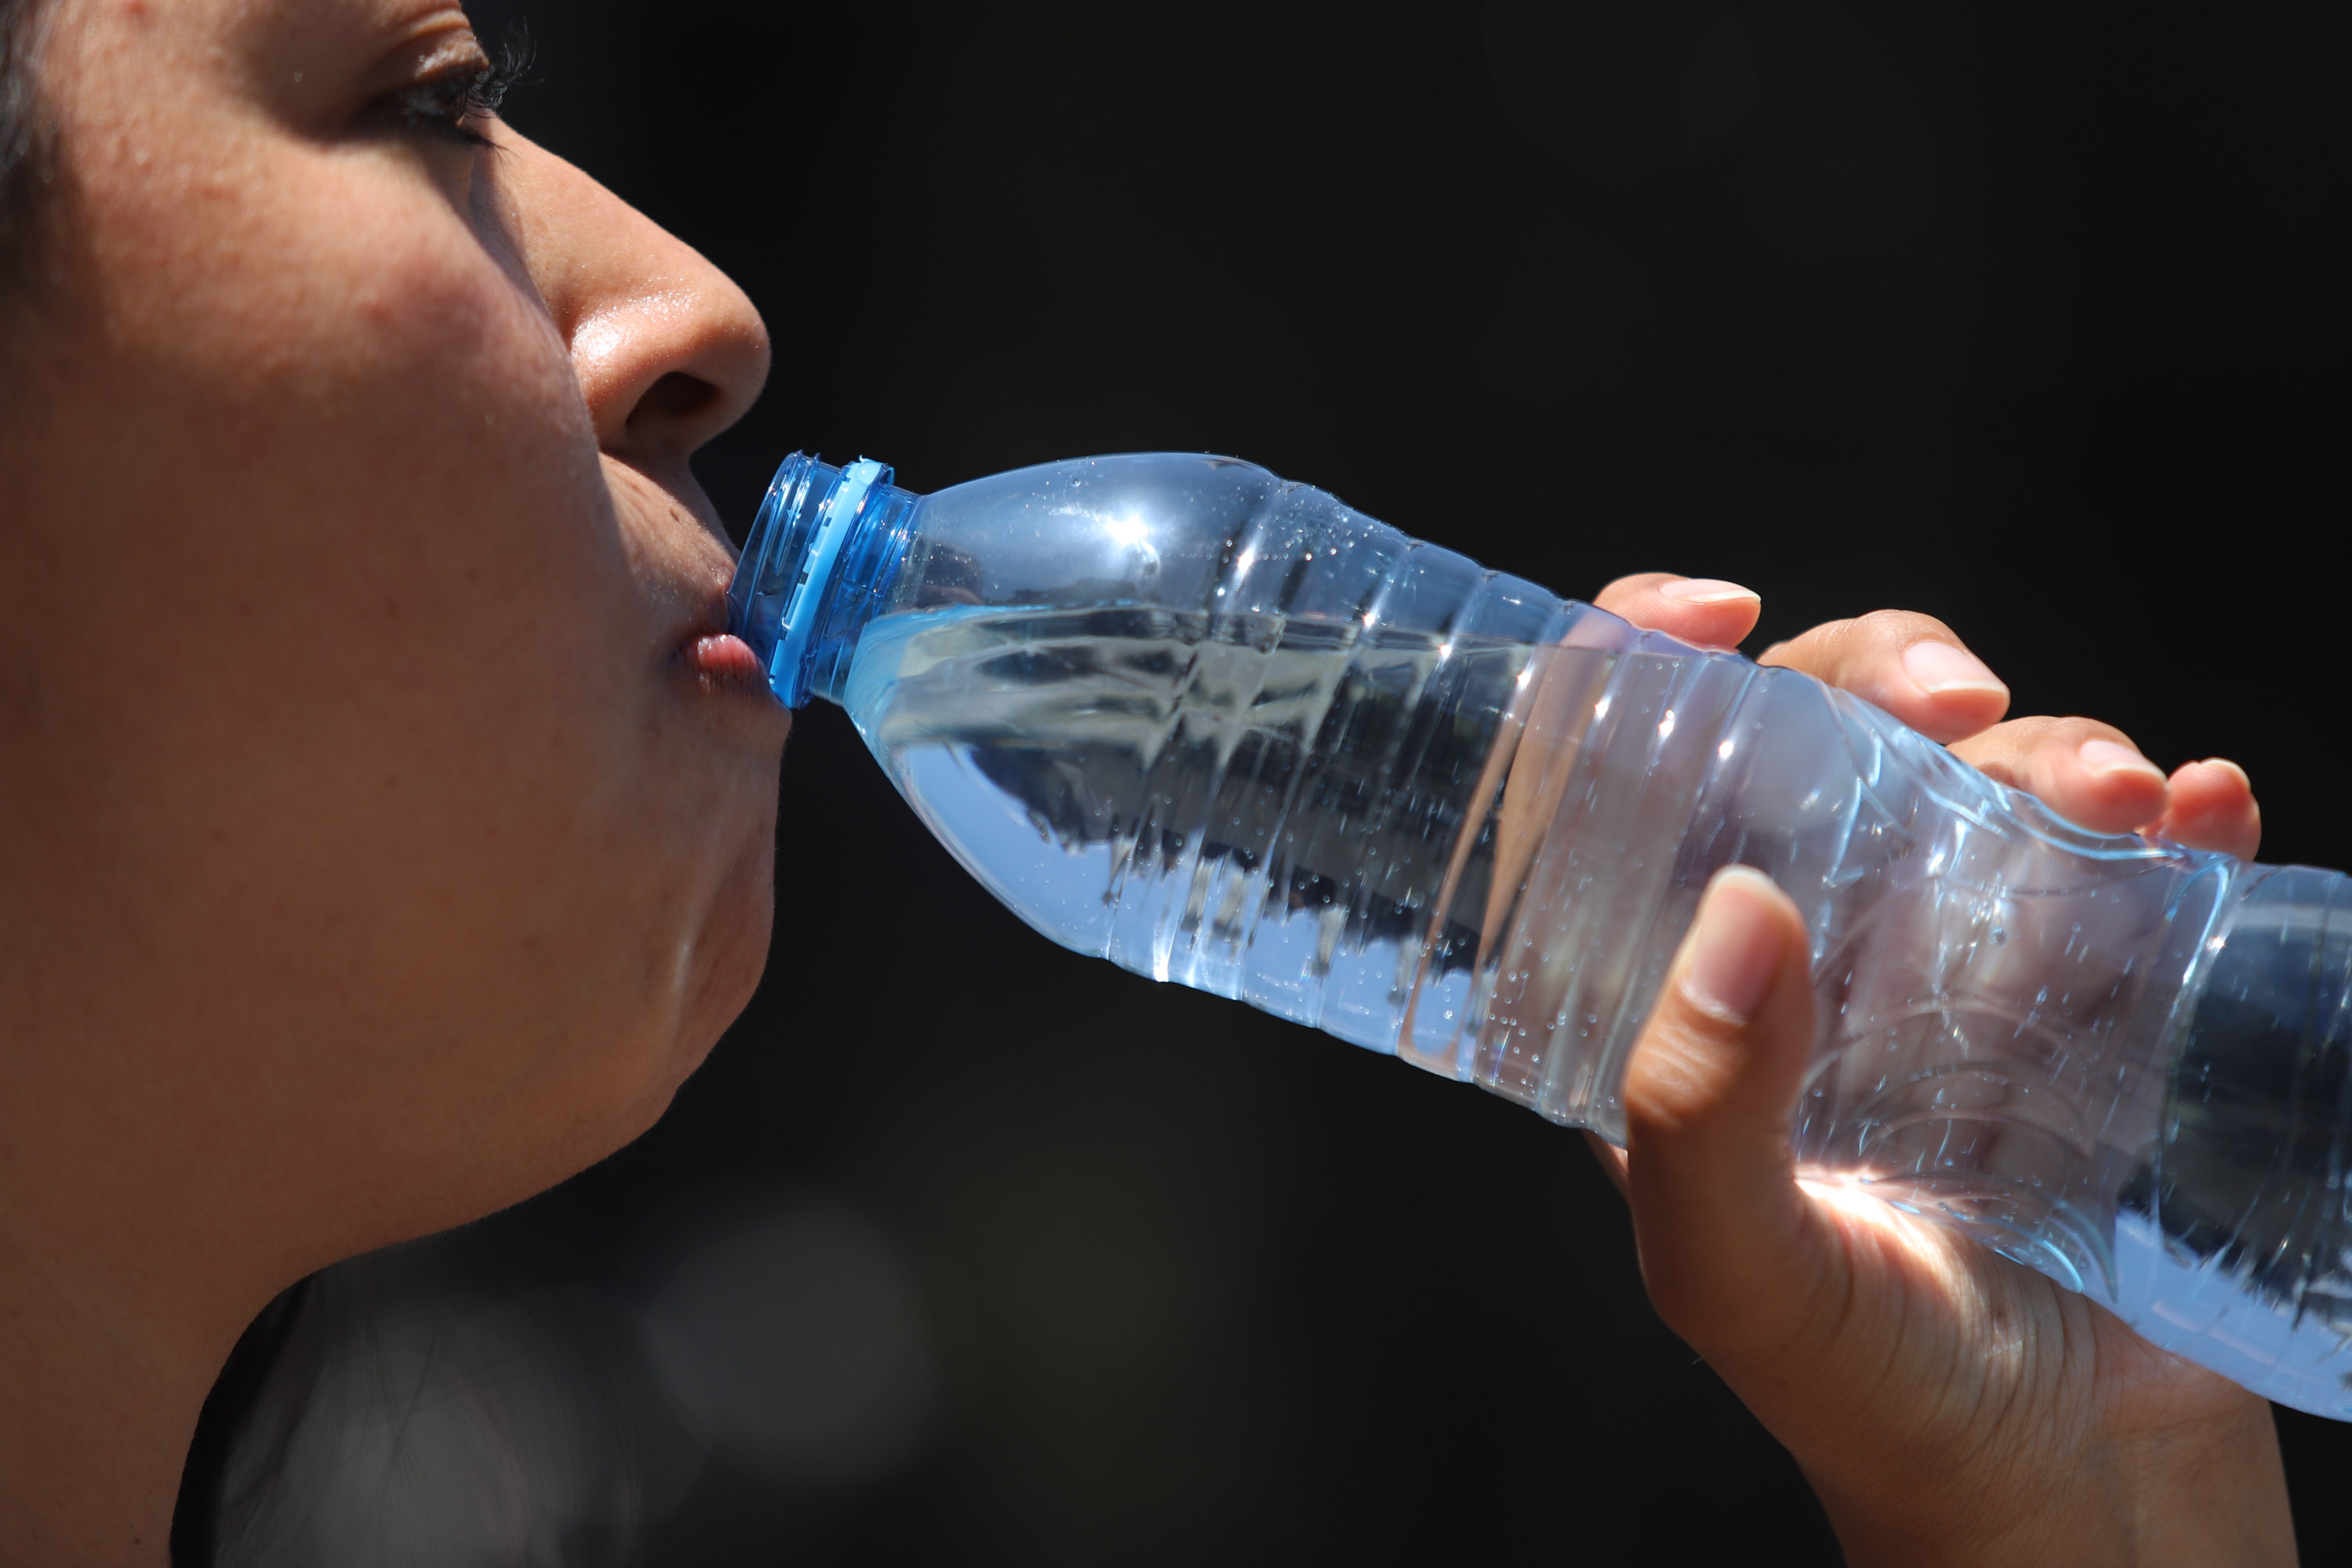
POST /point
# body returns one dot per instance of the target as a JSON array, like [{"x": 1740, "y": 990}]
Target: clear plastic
[{"x": 1224, "y": 730}]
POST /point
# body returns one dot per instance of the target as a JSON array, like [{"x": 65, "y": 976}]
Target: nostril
[{"x": 677, "y": 395}]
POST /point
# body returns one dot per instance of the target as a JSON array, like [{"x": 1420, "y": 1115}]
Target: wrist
[{"x": 2211, "y": 1495}]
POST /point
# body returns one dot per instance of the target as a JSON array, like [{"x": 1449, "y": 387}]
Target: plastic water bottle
[{"x": 1224, "y": 730}]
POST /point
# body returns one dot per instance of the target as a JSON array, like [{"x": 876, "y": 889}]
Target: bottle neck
[{"x": 819, "y": 564}]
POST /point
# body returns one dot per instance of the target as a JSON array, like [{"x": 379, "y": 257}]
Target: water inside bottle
[
  {"x": 1251, "y": 805},
  {"x": 1276, "y": 810}
]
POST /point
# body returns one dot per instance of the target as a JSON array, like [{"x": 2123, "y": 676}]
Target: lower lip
[{"x": 726, "y": 660}]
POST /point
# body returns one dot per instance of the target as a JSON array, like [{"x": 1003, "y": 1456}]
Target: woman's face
[{"x": 380, "y": 819}]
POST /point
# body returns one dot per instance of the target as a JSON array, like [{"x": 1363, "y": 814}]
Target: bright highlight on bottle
[{"x": 1224, "y": 730}]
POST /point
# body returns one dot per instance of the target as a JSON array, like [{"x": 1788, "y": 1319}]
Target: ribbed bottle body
[
  {"x": 2234, "y": 1241},
  {"x": 1228, "y": 732},
  {"x": 1217, "y": 728}
]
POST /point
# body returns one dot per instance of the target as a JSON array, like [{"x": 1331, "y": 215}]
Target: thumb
[{"x": 1729, "y": 1252}]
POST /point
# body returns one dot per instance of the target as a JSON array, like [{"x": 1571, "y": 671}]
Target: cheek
[
  {"x": 386, "y": 651},
  {"x": 339, "y": 390},
  {"x": 401, "y": 571},
  {"x": 389, "y": 751}
]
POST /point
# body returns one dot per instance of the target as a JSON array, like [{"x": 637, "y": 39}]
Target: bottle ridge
[{"x": 1224, "y": 730}]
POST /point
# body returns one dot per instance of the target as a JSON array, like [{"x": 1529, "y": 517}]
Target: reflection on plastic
[{"x": 1363, "y": 782}]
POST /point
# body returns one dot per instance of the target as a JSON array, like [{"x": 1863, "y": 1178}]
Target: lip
[
  {"x": 713, "y": 654},
  {"x": 726, "y": 660}
]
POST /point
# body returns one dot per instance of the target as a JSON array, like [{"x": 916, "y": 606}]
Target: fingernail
[
  {"x": 1705, "y": 591},
  {"x": 1939, "y": 666},
  {"x": 2106, "y": 757},
  {"x": 1735, "y": 946},
  {"x": 2226, "y": 763}
]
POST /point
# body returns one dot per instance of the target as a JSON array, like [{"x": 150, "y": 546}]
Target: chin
[
  {"x": 686, "y": 1053},
  {"x": 731, "y": 959},
  {"x": 517, "y": 1151},
  {"x": 625, "y": 1078}
]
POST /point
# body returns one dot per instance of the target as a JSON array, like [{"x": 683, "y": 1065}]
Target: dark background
[{"x": 2030, "y": 316}]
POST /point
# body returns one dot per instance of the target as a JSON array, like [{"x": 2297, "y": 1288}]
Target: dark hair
[{"x": 24, "y": 134}]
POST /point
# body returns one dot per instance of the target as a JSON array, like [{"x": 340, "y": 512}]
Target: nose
[{"x": 668, "y": 349}]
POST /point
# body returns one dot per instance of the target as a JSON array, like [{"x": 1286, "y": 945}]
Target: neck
[{"x": 107, "y": 1352}]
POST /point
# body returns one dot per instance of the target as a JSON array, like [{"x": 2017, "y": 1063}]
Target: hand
[
  {"x": 1914, "y": 668},
  {"x": 1949, "y": 1406}
]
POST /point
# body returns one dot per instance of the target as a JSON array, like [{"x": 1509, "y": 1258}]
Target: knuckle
[
  {"x": 1813, "y": 651},
  {"x": 2044, "y": 731},
  {"x": 2093, "y": 729},
  {"x": 1674, "y": 1079},
  {"x": 2074, "y": 730},
  {"x": 2021, "y": 736},
  {"x": 1634, "y": 583},
  {"x": 1902, "y": 626}
]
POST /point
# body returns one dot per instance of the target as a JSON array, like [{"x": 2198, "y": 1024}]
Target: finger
[
  {"x": 2212, "y": 806},
  {"x": 2087, "y": 771},
  {"x": 1911, "y": 665},
  {"x": 1726, "y": 1252},
  {"x": 1704, "y": 612}
]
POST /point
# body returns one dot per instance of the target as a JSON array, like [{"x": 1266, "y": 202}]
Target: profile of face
[{"x": 385, "y": 828}]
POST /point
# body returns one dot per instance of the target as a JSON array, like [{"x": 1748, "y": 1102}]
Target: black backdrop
[{"x": 2027, "y": 315}]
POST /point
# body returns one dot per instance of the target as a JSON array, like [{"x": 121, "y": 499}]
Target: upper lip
[{"x": 711, "y": 620}]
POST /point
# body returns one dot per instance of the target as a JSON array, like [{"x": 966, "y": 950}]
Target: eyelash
[{"x": 443, "y": 106}]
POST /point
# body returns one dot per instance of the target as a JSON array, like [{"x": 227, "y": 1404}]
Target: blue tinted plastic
[
  {"x": 823, "y": 559},
  {"x": 1224, "y": 730}
]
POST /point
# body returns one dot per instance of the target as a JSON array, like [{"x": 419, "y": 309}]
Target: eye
[
  {"x": 442, "y": 108},
  {"x": 450, "y": 102}
]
